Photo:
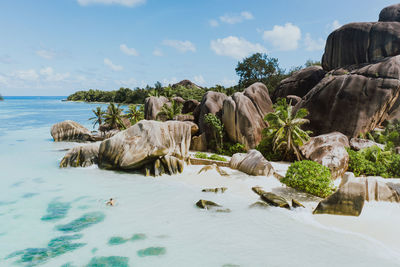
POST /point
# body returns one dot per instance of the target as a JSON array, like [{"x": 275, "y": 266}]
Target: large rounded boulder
[
  {"x": 153, "y": 105},
  {"x": 357, "y": 43},
  {"x": 252, "y": 163},
  {"x": 390, "y": 13},
  {"x": 300, "y": 83},
  {"x": 70, "y": 131},
  {"x": 354, "y": 99},
  {"x": 328, "y": 150},
  {"x": 153, "y": 146},
  {"x": 81, "y": 156},
  {"x": 243, "y": 115}
]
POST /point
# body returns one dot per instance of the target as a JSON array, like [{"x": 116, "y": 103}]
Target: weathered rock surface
[
  {"x": 213, "y": 167},
  {"x": 212, "y": 102},
  {"x": 210, "y": 205},
  {"x": 81, "y": 156},
  {"x": 153, "y": 105},
  {"x": 243, "y": 115},
  {"x": 186, "y": 83},
  {"x": 271, "y": 198},
  {"x": 296, "y": 204},
  {"x": 189, "y": 106},
  {"x": 353, "y": 192},
  {"x": 158, "y": 147},
  {"x": 215, "y": 190},
  {"x": 358, "y": 144},
  {"x": 390, "y": 13},
  {"x": 252, "y": 163},
  {"x": 70, "y": 131},
  {"x": 354, "y": 99},
  {"x": 199, "y": 143},
  {"x": 300, "y": 83},
  {"x": 193, "y": 127},
  {"x": 357, "y": 43},
  {"x": 328, "y": 150},
  {"x": 184, "y": 117}
]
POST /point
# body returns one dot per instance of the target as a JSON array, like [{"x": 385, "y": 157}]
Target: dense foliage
[
  {"x": 390, "y": 136},
  {"x": 135, "y": 113},
  {"x": 310, "y": 177},
  {"x": 170, "y": 110},
  {"x": 373, "y": 161},
  {"x": 98, "y": 116},
  {"x": 201, "y": 155},
  {"x": 217, "y": 129},
  {"x": 260, "y": 68},
  {"x": 283, "y": 137}
]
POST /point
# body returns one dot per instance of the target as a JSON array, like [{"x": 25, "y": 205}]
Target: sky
[{"x": 56, "y": 47}]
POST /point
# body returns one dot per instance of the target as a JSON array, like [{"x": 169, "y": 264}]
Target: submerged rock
[
  {"x": 243, "y": 115},
  {"x": 215, "y": 190},
  {"x": 328, "y": 150},
  {"x": 70, "y": 131},
  {"x": 152, "y": 251},
  {"x": 81, "y": 156},
  {"x": 83, "y": 222},
  {"x": 112, "y": 261},
  {"x": 358, "y": 144},
  {"x": 252, "y": 163},
  {"x": 56, "y": 210},
  {"x": 353, "y": 192},
  {"x": 156, "y": 147},
  {"x": 271, "y": 198}
]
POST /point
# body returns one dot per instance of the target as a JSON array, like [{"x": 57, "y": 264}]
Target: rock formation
[
  {"x": 328, "y": 150},
  {"x": 271, "y": 198},
  {"x": 299, "y": 83},
  {"x": 153, "y": 105},
  {"x": 353, "y": 99},
  {"x": 243, "y": 115},
  {"x": 70, "y": 131},
  {"x": 189, "y": 106},
  {"x": 390, "y": 13},
  {"x": 157, "y": 147},
  {"x": 358, "y": 144},
  {"x": 252, "y": 163},
  {"x": 81, "y": 156},
  {"x": 353, "y": 192}
]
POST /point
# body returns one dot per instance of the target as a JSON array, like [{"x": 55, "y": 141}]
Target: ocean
[{"x": 58, "y": 217}]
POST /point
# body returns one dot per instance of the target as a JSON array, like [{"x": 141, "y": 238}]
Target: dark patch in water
[
  {"x": 5, "y": 203},
  {"x": 152, "y": 251},
  {"x": 79, "y": 198},
  {"x": 56, "y": 247},
  {"x": 230, "y": 265},
  {"x": 113, "y": 261},
  {"x": 117, "y": 240},
  {"x": 29, "y": 195},
  {"x": 20, "y": 140},
  {"x": 38, "y": 180},
  {"x": 84, "y": 207},
  {"x": 138, "y": 237},
  {"x": 17, "y": 216},
  {"x": 17, "y": 184},
  {"x": 83, "y": 222},
  {"x": 94, "y": 250},
  {"x": 56, "y": 210},
  {"x": 68, "y": 264}
]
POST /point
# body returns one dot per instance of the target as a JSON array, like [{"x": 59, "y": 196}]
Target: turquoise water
[{"x": 57, "y": 217}]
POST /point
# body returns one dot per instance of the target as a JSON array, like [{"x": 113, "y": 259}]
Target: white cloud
[
  {"x": 114, "y": 67},
  {"x": 157, "y": 52},
  {"x": 128, "y": 51},
  {"x": 47, "y": 54},
  {"x": 166, "y": 82},
  {"x": 198, "y": 79},
  {"x": 313, "y": 45},
  {"x": 235, "y": 47},
  {"x": 130, "y": 83},
  {"x": 335, "y": 25},
  {"x": 50, "y": 76},
  {"x": 283, "y": 37},
  {"x": 236, "y": 18},
  {"x": 181, "y": 46},
  {"x": 26, "y": 75},
  {"x": 213, "y": 22},
  {"x": 128, "y": 3},
  {"x": 228, "y": 82}
]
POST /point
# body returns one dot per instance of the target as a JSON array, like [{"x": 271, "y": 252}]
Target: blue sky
[{"x": 50, "y": 47}]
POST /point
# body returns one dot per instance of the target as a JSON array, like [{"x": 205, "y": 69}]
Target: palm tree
[
  {"x": 170, "y": 110},
  {"x": 153, "y": 92},
  {"x": 285, "y": 129},
  {"x": 135, "y": 114},
  {"x": 113, "y": 116},
  {"x": 98, "y": 116}
]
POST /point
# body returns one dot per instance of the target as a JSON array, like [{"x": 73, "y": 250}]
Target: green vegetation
[
  {"x": 373, "y": 161},
  {"x": 284, "y": 136},
  {"x": 310, "y": 177},
  {"x": 135, "y": 113},
  {"x": 390, "y": 136},
  {"x": 170, "y": 110},
  {"x": 310, "y": 63},
  {"x": 98, "y": 116},
  {"x": 201, "y": 155},
  {"x": 217, "y": 129},
  {"x": 113, "y": 117},
  {"x": 1, "y": 98}
]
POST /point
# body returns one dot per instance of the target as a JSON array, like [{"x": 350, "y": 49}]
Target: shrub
[
  {"x": 229, "y": 149},
  {"x": 217, "y": 128},
  {"x": 310, "y": 177},
  {"x": 201, "y": 155}
]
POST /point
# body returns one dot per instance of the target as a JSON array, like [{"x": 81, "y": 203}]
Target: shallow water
[{"x": 54, "y": 217}]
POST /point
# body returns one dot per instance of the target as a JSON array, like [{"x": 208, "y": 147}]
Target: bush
[
  {"x": 229, "y": 149},
  {"x": 310, "y": 177},
  {"x": 373, "y": 161},
  {"x": 217, "y": 128},
  {"x": 201, "y": 155}
]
